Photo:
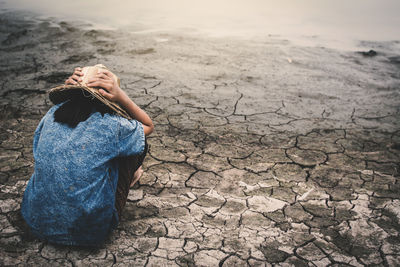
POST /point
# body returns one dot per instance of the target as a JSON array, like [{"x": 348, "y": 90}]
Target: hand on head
[
  {"x": 103, "y": 79},
  {"x": 108, "y": 84},
  {"x": 110, "y": 88},
  {"x": 75, "y": 78}
]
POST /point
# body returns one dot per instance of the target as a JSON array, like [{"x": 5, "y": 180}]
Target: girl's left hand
[
  {"x": 111, "y": 89},
  {"x": 75, "y": 78}
]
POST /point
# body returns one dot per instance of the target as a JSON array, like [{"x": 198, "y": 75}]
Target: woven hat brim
[{"x": 62, "y": 93}]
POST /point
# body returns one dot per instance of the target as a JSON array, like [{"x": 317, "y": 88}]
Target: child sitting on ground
[{"x": 88, "y": 151}]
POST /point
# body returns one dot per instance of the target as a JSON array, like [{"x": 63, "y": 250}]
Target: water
[{"x": 340, "y": 23}]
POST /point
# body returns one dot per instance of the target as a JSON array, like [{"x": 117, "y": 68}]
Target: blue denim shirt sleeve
[
  {"x": 38, "y": 130},
  {"x": 130, "y": 137},
  {"x": 36, "y": 136}
]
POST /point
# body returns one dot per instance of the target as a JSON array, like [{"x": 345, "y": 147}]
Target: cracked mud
[{"x": 256, "y": 160}]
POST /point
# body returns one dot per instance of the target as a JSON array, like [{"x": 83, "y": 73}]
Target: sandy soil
[{"x": 264, "y": 153}]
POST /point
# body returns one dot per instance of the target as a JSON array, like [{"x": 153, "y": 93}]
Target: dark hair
[{"x": 79, "y": 108}]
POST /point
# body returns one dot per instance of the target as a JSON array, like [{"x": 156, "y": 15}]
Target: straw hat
[{"x": 62, "y": 93}]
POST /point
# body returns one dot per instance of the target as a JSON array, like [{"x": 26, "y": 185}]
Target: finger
[
  {"x": 78, "y": 72},
  {"x": 70, "y": 81},
  {"x": 106, "y": 94},
  {"x": 106, "y": 72},
  {"x": 102, "y": 76},
  {"x": 102, "y": 84},
  {"x": 108, "y": 81},
  {"x": 78, "y": 69},
  {"x": 76, "y": 78}
]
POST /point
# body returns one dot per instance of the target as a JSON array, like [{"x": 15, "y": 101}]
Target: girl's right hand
[
  {"x": 75, "y": 78},
  {"x": 109, "y": 86}
]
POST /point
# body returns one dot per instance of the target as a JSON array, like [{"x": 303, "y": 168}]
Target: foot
[{"x": 136, "y": 176}]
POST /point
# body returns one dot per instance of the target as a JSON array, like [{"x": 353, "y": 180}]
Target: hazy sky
[{"x": 331, "y": 19}]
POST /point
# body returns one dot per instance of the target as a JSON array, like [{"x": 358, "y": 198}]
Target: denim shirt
[{"x": 71, "y": 195}]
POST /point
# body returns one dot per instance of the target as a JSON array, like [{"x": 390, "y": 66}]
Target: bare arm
[
  {"x": 135, "y": 112},
  {"x": 113, "y": 92}
]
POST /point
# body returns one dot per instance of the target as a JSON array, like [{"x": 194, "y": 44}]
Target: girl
[{"x": 88, "y": 150}]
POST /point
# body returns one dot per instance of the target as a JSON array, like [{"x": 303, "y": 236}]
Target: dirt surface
[{"x": 265, "y": 153}]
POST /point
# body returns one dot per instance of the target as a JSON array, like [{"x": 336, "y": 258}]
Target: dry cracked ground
[{"x": 265, "y": 153}]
